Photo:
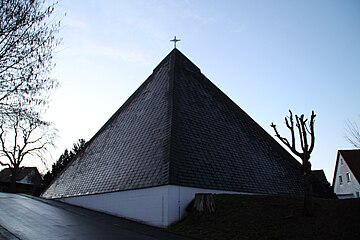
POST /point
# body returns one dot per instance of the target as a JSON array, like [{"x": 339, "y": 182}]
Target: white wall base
[{"x": 157, "y": 206}]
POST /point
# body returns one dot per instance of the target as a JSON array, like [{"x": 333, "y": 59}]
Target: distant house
[
  {"x": 347, "y": 174},
  {"x": 176, "y": 136},
  {"x": 321, "y": 186},
  {"x": 320, "y": 176},
  {"x": 26, "y": 175}
]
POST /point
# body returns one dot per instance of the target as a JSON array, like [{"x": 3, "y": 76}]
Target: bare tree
[
  {"x": 27, "y": 42},
  {"x": 307, "y": 140},
  {"x": 353, "y": 133},
  {"x": 22, "y": 137}
]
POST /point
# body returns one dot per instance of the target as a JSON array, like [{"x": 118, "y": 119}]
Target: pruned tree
[
  {"x": 306, "y": 135},
  {"x": 27, "y": 41},
  {"x": 21, "y": 138},
  {"x": 353, "y": 133},
  {"x": 63, "y": 161}
]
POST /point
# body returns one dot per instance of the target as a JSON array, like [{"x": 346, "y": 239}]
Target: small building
[
  {"x": 26, "y": 175},
  {"x": 176, "y": 136},
  {"x": 321, "y": 186},
  {"x": 28, "y": 181},
  {"x": 347, "y": 174}
]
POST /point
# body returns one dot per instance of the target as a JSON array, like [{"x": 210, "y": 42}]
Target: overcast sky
[{"x": 267, "y": 56}]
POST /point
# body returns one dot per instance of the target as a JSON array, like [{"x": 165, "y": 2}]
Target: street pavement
[{"x": 25, "y": 217}]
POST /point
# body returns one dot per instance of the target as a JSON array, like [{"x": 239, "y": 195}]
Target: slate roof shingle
[{"x": 178, "y": 128}]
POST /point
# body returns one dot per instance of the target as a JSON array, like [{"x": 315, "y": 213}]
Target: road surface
[{"x": 24, "y": 217}]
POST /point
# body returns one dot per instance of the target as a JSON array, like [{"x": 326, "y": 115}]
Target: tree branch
[
  {"x": 312, "y": 131},
  {"x": 298, "y": 125},
  {"x": 285, "y": 141},
  {"x": 290, "y": 126},
  {"x": 5, "y": 164},
  {"x": 303, "y": 130}
]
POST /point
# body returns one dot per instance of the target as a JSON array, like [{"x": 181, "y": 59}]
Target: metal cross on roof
[{"x": 175, "y": 40}]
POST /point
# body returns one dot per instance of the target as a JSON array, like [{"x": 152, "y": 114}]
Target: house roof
[
  {"x": 178, "y": 128},
  {"x": 352, "y": 158},
  {"x": 320, "y": 176},
  {"x": 5, "y": 174},
  {"x": 321, "y": 186}
]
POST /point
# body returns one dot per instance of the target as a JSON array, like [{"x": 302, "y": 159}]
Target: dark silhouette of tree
[
  {"x": 353, "y": 133},
  {"x": 63, "y": 161},
  {"x": 22, "y": 137},
  {"x": 307, "y": 140},
  {"x": 27, "y": 41}
]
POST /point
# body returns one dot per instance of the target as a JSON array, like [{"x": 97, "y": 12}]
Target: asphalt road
[{"x": 24, "y": 217}]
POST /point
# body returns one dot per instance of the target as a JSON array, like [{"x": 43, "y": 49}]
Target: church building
[{"x": 177, "y": 135}]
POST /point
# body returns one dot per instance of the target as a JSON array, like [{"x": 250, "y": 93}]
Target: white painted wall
[
  {"x": 157, "y": 206},
  {"x": 346, "y": 189}
]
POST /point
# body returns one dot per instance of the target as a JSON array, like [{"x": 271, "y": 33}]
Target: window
[
  {"x": 348, "y": 179},
  {"x": 341, "y": 161},
  {"x": 358, "y": 194},
  {"x": 340, "y": 180}
]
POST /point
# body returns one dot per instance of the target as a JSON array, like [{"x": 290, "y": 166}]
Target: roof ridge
[
  {"x": 349, "y": 150},
  {"x": 171, "y": 106},
  {"x": 132, "y": 96}
]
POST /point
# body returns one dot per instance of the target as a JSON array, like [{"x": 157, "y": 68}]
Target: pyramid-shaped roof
[{"x": 178, "y": 128}]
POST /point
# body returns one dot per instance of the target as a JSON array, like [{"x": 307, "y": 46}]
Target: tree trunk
[
  {"x": 204, "y": 202},
  {"x": 308, "y": 196},
  {"x": 308, "y": 190}
]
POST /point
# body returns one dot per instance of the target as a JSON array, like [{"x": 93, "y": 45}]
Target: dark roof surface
[
  {"x": 178, "y": 128},
  {"x": 321, "y": 186},
  {"x": 320, "y": 176},
  {"x": 352, "y": 158}
]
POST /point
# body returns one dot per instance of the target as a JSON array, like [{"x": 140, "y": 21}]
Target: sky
[{"x": 267, "y": 56}]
